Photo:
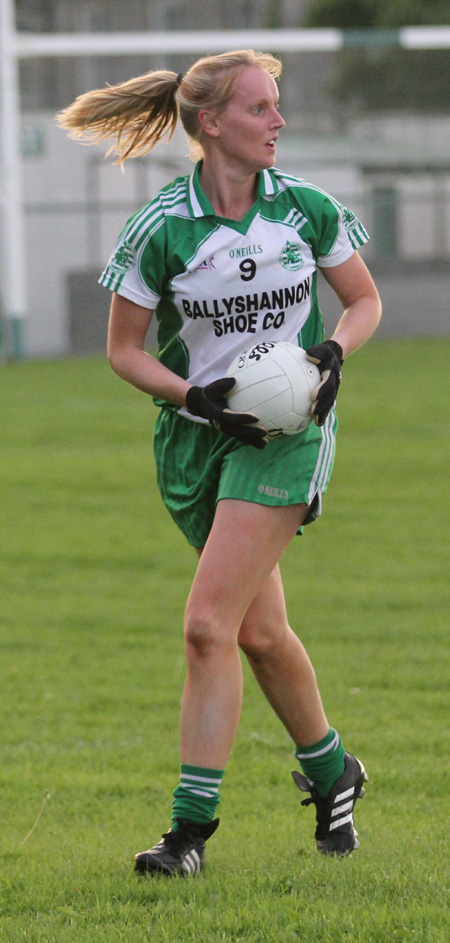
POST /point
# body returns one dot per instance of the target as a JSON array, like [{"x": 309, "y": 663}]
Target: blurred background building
[{"x": 370, "y": 123}]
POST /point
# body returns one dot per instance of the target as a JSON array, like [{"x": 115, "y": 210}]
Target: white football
[{"x": 275, "y": 381}]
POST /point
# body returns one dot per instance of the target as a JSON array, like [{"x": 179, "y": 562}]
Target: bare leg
[
  {"x": 281, "y": 665},
  {"x": 243, "y": 548}
]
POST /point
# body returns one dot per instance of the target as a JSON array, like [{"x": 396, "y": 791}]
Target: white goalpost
[{"x": 16, "y": 46}]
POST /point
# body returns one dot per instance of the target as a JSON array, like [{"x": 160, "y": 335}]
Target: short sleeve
[
  {"x": 342, "y": 233},
  {"x": 136, "y": 267}
]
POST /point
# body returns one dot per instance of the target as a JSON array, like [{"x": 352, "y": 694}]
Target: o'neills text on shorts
[{"x": 274, "y": 492}]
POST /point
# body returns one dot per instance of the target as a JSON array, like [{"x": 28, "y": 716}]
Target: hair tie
[{"x": 179, "y": 79}]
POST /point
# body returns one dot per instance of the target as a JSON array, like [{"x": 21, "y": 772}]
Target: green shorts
[{"x": 197, "y": 467}]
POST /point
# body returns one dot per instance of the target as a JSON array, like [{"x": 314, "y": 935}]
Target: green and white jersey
[{"x": 219, "y": 285}]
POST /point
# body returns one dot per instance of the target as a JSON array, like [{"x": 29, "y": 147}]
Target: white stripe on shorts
[{"x": 325, "y": 457}]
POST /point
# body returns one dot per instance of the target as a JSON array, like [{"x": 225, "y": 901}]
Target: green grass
[{"x": 93, "y": 578}]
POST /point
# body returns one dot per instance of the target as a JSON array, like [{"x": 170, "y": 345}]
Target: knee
[
  {"x": 204, "y": 635},
  {"x": 257, "y": 638}
]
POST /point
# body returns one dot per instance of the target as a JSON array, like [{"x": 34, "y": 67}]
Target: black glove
[
  {"x": 210, "y": 402},
  {"x": 329, "y": 359}
]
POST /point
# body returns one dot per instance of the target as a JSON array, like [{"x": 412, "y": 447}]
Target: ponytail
[{"x": 137, "y": 113}]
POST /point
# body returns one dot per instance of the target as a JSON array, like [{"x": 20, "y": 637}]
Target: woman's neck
[{"x": 231, "y": 195}]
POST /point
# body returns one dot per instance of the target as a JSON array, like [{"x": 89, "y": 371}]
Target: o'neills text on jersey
[
  {"x": 241, "y": 312},
  {"x": 246, "y": 250}
]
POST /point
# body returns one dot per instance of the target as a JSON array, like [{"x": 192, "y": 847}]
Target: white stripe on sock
[
  {"x": 329, "y": 749},
  {"x": 201, "y": 792}
]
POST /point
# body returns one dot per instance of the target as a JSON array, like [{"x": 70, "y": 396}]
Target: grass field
[{"x": 93, "y": 578}]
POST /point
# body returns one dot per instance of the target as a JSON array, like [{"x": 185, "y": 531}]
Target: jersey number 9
[{"x": 248, "y": 269}]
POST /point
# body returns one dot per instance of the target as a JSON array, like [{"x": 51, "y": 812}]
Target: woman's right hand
[{"x": 210, "y": 402}]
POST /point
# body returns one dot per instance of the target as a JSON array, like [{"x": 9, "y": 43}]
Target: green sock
[
  {"x": 197, "y": 796},
  {"x": 323, "y": 762}
]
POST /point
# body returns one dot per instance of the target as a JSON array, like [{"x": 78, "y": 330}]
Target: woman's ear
[{"x": 208, "y": 122}]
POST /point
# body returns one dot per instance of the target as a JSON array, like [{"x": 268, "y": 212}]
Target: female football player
[{"x": 227, "y": 258}]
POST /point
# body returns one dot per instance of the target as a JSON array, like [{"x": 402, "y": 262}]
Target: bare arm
[
  {"x": 360, "y": 300},
  {"x": 128, "y": 326}
]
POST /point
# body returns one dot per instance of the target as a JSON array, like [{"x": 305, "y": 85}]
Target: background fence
[{"x": 367, "y": 119}]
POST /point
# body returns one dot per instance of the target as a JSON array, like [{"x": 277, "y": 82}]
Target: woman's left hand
[{"x": 329, "y": 359}]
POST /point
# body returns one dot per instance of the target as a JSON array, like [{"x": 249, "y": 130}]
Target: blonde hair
[{"x": 140, "y": 112}]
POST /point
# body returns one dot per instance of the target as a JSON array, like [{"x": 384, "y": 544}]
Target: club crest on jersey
[
  {"x": 208, "y": 264},
  {"x": 124, "y": 258},
  {"x": 291, "y": 256},
  {"x": 348, "y": 218}
]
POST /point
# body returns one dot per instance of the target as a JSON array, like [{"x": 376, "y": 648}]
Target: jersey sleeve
[
  {"x": 341, "y": 234},
  {"x": 136, "y": 267}
]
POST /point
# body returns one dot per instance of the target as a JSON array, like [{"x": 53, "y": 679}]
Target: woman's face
[{"x": 246, "y": 131}]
